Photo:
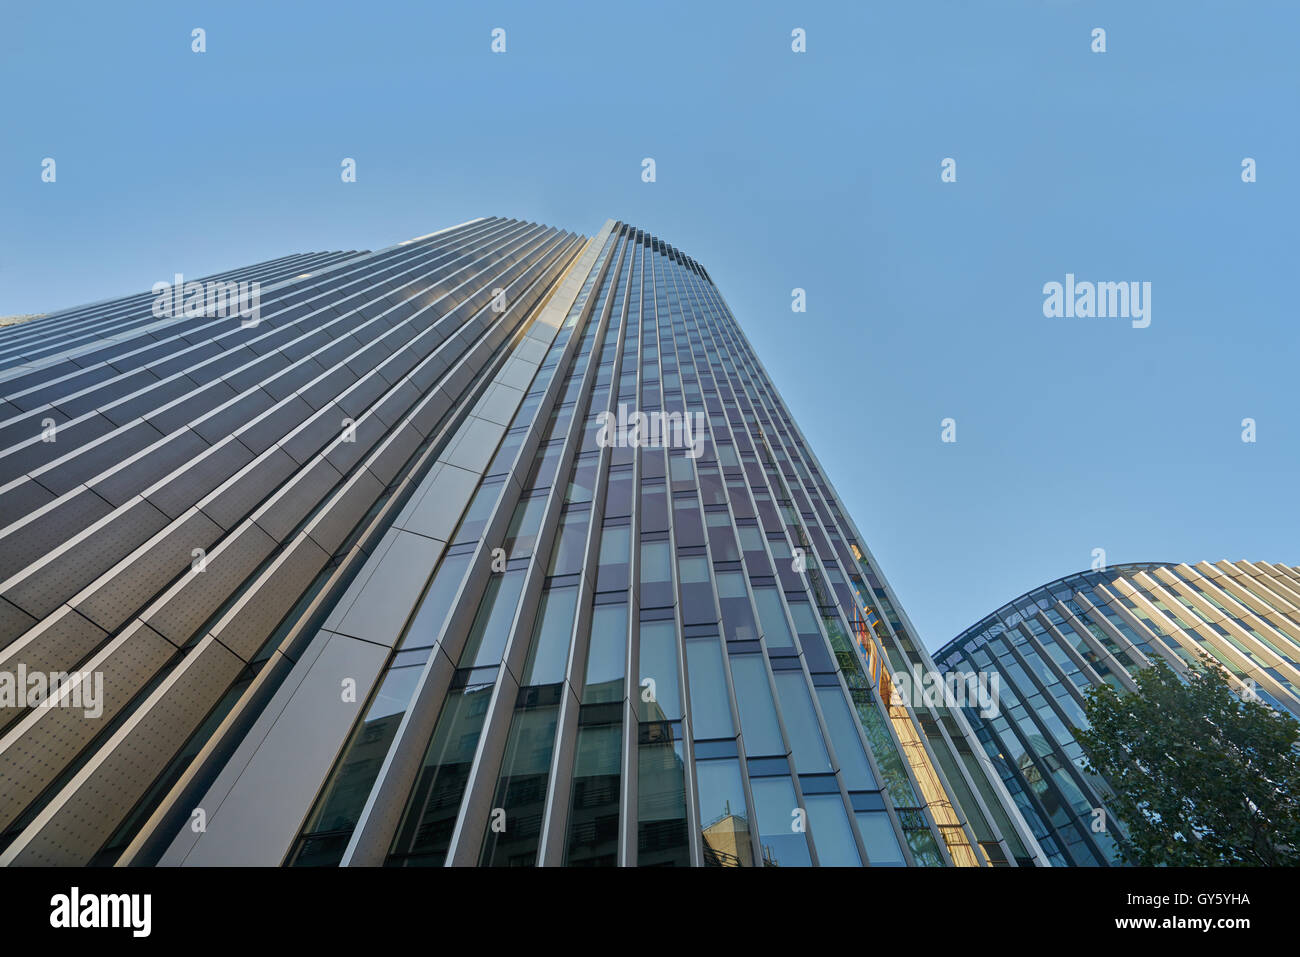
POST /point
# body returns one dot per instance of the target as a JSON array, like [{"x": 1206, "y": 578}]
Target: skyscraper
[
  {"x": 495, "y": 547},
  {"x": 1050, "y": 645}
]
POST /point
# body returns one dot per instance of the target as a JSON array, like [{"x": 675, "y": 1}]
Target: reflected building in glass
[
  {"x": 372, "y": 581},
  {"x": 1051, "y": 645}
]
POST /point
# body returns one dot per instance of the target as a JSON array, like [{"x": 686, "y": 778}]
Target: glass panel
[
  {"x": 570, "y": 543},
  {"x": 843, "y": 730},
  {"x": 775, "y": 629},
  {"x": 710, "y": 705},
  {"x": 782, "y": 843},
  {"x": 661, "y": 700},
  {"x": 549, "y": 651},
  {"x": 831, "y": 831},
  {"x": 432, "y": 615},
  {"x": 661, "y": 797},
  {"x": 424, "y": 835},
  {"x": 521, "y": 536},
  {"x": 724, "y": 823},
  {"x": 512, "y": 837},
  {"x": 593, "y": 815},
  {"x": 328, "y": 830},
  {"x": 758, "y": 723},
  {"x": 606, "y": 655},
  {"x": 806, "y": 742},
  {"x": 496, "y": 613},
  {"x": 883, "y": 849}
]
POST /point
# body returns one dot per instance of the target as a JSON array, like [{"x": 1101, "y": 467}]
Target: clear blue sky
[{"x": 775, "y": 170}]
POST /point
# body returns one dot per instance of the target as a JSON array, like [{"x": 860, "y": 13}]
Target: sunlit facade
[
  {"x": 1051, "y": 645},
  {"x": 371, "y": 584}
]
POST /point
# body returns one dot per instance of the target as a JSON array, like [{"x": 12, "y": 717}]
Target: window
[
  {"x": 775, "y": 807},
  {"x": 806, "y": 744},
  {"x": 548, "y": 652},
  {"x": 710, "y": 703},
  {"x": 658, "y": 664},
  {"x": 606, "y": 655},
  {"x": 758, "y": 722}
]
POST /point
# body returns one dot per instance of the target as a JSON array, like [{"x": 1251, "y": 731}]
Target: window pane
[
  {"x": 661, "y": 797},
  {"x": 758, "y": 724},
  {"x": 878, "y": 837},
  {"x": 521, "y": 787},
  {"x": 782, "y": 845},
  {"x": 848, "y": 746},
  {"x": 606, "y": 655},
  {"x": 549, "y": 652},
  {"x": 775, "y": 629},
  {"x": 710, "y": 708},
  {"x": 801, "y": 722},
  {"x": 659, "y": 664},
  {"x": 593, "y": 815},
  {"x": 831, "y": 831},
  {"x": 724, "y": 823}
]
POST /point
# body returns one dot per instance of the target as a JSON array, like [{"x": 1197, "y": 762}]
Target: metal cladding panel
[
  {"x": 22, "y": 497},
  {"x": 33, "y": 451},
  {"x": 205, "y": 488},
  {"x": 36, "y": 750},
  {"x": 141, "y": 471},
  {"x": 36, "y": 535},
  {"x": 114, "y": 597},
  {"x": 174, "y": 494},
  {"x": 184, "y": 607},
  {"x": 61, "y": 637},
  {"x": 64, "y": 572}
]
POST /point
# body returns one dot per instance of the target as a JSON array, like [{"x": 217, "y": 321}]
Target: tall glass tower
[{"x": 494, "y": 547}]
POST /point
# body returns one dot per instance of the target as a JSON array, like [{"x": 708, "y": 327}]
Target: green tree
[{"x": 1201, "y": 777}]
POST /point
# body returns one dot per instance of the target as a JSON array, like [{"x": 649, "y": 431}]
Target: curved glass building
[{"x": 1051, "y": 644}]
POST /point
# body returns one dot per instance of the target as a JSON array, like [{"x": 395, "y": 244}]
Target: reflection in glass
[
  {"x": 783, "y": 843},
  {"x": 724, "y": 823},
  {"x": 660, "y": 700},
  {"x": 710, "y": 704},
  {"x": 424, "y": 835},
  {"x": 758, "y": 722},
  {"x": 662, "y": 837},
  {"x": 831, "y": 831},
  {"x": 592, "y": 840},
  {"x": 512, "y": 839}
]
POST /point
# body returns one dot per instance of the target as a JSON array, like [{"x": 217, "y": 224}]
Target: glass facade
[
  {"x": 600, "y": 606},
  {"x": 1049, "y": 646}
]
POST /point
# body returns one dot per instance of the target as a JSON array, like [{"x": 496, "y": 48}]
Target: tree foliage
[{"x": 1201, "y": 777}]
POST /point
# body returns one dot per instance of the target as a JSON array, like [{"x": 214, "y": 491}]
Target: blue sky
[{"x": 818, "y": 170}]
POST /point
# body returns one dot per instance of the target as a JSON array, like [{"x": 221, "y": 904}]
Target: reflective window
[
  {"x": 491, "y": 628},
  {"x": 724, "y": 823},
  {"x": 883, "y": 849},
  {"x": 832, "y": 833},
  {"x": 806, "y": 744},
  {"x": 615, "y": 556},
  {"x": 854, "y": 766},
  {"x": 656, "y": 574},
  {"x": 662, "y": 837},
  {"x": 758, "y": 722},
  {"x": 770, "y": 613},
  {"x": 782, "y": 843},
  {"x": 593, "y": 811},
  {"x": 424, "y": 835},
  {"x": 548, "y": 652},
  {"x": 512, "y": 840},
  {"x": 606, "y": 655},
  {"x": 710, "y": 707},
  {"x": 521, "y": 535},
  {"x": 661, "y": 700}
]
